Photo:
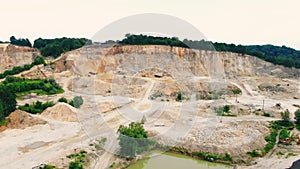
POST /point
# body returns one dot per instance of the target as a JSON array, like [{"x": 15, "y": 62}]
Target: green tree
[
  {"x": 7, "y": 102},
  {"x": 297, "y": 117},
  {"x": 133, "y": 140},
  {"x": 226, "y": 108}
]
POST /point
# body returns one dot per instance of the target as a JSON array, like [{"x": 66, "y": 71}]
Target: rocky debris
[
  {"x": 235, "y": 138},
  {"x": 11, "y": 56},
  {"x": 20, "y": 120},
  {"x": 271, "y": 88},
  {"x": 61, "y": 112}
]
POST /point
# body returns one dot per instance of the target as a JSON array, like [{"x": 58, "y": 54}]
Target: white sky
[{"x": 238, "y": 21}]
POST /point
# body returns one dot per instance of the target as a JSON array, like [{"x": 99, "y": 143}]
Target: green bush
[
  {"x": 48, "y": 167},
  {"x": 227, "y": 157},
  {"x": 76, "y": 102},
  {"x": 266, "y": 114},
  {"x": 284, "y": 134},
  {"x": 297, "y": 117},
  {"x": 62, "y": 99},
  {"x": 253, "y": 153},
  {"x": 36, "y": 108},
  {"x": 226, "y": 108},
  {"x": 179, "y": 97},
  {"x": 207, "y": 156},
  {"x": 75, "y": 165}
]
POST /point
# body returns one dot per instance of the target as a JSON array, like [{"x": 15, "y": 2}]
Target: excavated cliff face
[
  {"x": 178, "y": 62},
  {"x": 11, "y": 55}
]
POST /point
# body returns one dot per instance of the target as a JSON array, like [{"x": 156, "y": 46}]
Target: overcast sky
[{"x": 238, "y": 21}]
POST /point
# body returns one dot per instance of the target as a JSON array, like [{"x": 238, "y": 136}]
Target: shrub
[
  {"x": 76, "y": 102},
  {"x": 226, "y": 108},
  {"x": 207, "y": 156},
  {"x": 266, "y": 114},
  {"x": 179, "y": 97},
  {"x": 253, "y": 153},
  {"x": 36, "y": 108},
  {"x": 62, "y": 99},
  {"x": 284, "y": 134},
  {"x": 297, "y": 117}
]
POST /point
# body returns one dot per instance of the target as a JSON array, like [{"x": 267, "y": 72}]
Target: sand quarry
[{"x": 112, "y": 99}]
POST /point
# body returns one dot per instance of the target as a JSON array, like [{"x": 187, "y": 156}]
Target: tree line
[
  {"x": 55, "y": 47},
  {"x": 275, "y": 54},
  {"x": 51, "y": 47}
]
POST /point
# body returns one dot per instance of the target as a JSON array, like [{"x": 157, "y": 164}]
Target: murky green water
[{"x": 174, "y": 161}]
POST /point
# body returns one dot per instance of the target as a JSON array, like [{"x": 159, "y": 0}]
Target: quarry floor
[{"x": 100, "y": 116}]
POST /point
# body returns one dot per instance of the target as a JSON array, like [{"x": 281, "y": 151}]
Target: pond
[{"x": 175, "y": 161}]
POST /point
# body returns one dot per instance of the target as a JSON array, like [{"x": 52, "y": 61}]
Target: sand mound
[
  {"x": 61, "y": 112},
  {"x": 20, "y": 120}
]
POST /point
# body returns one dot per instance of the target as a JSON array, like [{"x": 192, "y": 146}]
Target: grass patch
[
  {"x": 290, "y": 155},
  {"x": 228, "y": 115}
]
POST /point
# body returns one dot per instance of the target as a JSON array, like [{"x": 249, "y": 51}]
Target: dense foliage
[
  {"x": 133, "y": 140},
  {"x": 7, "y": 102},
  {"x": 284, "y": 134},
  {"x": 13, "y": 86},
  {"x": 277, "y": 55},
  {"x": 77, "y": 160},
  {"x": 37, "y": 107},
  {"x": 19, "y": 69},
  {"x": 20, "y": 42},
  {"x": 23, "y": 86},
  {"x": 55, "y": 47}
]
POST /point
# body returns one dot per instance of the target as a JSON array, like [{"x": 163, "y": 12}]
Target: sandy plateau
[{"x": 124, "y": 84}]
